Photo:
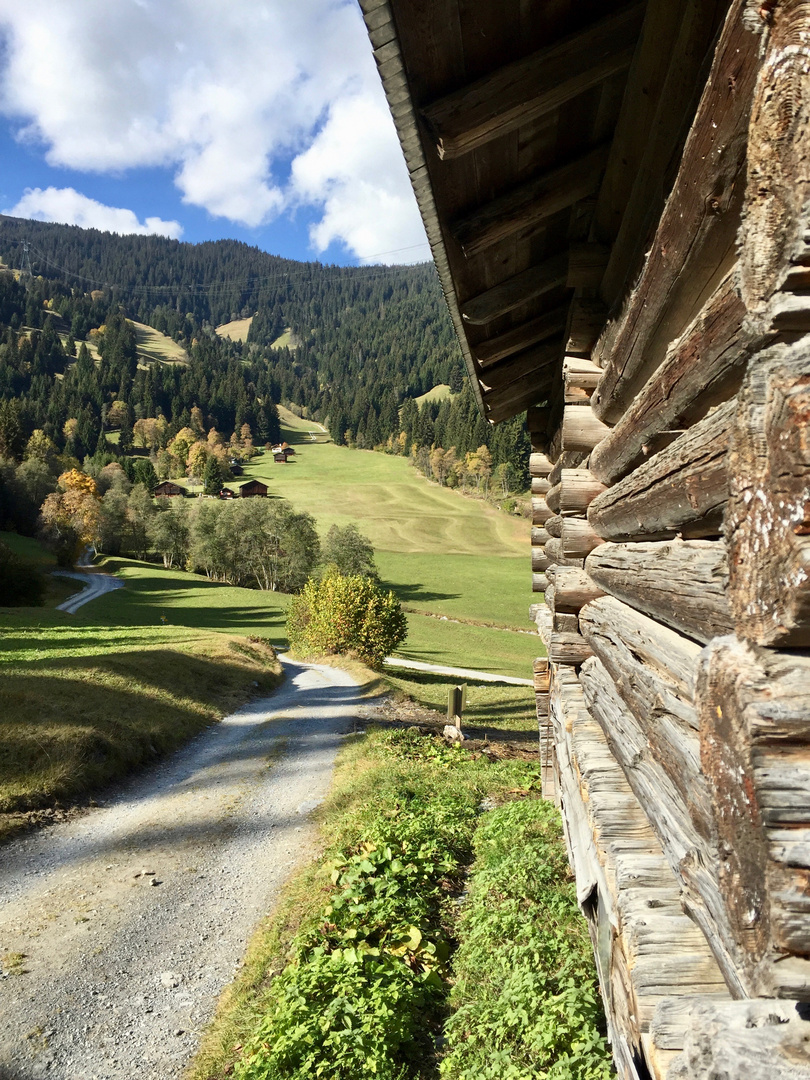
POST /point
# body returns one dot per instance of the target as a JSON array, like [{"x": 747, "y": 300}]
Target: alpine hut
[{"x": 617, "y": 200}]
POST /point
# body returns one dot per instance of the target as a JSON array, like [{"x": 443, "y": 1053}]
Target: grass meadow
[{"x": 236, "y": 330}]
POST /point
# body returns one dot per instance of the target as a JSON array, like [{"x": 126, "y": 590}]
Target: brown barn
[
  {"x": 616, "y": 196},
  {"x": 168, "y": 488},
  {"x": 227, "y": 493},
  {"x": 252, "y": 488},
  {"x": 280, "y": 457}
]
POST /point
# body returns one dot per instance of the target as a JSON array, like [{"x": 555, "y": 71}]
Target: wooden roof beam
[
  {"x": 517, "y": 290},
  {"x": 529, "y": 333},
  {"x": 499, "y": 376},
  {"x": 538, "y": 84},
  {"x": 523, "y": 210},
  {"x": 504, "y": 404}
]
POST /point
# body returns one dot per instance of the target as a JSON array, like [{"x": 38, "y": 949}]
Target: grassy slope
[
  {"x": 156, "y": 346},
  {"x": 83, "y": 702},
  {"x": 236, "y": 330},
  {"x": 437, "y": 393}
]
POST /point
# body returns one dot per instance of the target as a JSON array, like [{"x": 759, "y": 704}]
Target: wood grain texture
[
  {"x": 702, "y": 368},
  {"x": 680, "y": 583},
  {"x": 768, "y": 518},
  {"x": 683, "y": 489},
  {"x": 694, "y": 241}
]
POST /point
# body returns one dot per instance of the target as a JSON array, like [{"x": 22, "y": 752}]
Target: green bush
[{"x": 352, "y": 616}]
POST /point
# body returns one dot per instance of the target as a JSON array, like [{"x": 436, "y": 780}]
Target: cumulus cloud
[
  {"x": 224, "y": 95},
  {"x": 69, "y": 207}
]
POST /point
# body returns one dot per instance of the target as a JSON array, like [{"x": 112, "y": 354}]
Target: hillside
[{"x": 349, "y": 345}]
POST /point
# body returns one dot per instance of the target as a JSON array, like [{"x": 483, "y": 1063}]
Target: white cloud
[
  {"x": 69, "y": 207},
  {"x": 225, "y": 95}
]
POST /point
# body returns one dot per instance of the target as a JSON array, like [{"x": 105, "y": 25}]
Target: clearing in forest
[
  {"x": 156, "y": 346},
  {"x": 236, "y": 330}
]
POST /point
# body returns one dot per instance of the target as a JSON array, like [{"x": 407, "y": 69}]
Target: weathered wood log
[
  {"x": 548, "y": 599},
  {"x": 537, "y": 418},
  {"x": 568, "y": 648},
  {"x": 581, "y": 430},
  {"x": 683, "y": 489},
  {"x": 573, "y": 588},
  {"x": 571, "y": 459},
  {"x": 540, "y": 485},
  {"x": 726, "y": 1040},
  {"x": 539, "y": 466},
  {"x": 652, "y": 784},
  {"x": 539, "y": 582},
  {"x": 663, "y": 650},
  {"x": 754, "y": 733},
  {"x": 702, "y": 368},
  {"x": 522, "y": 211},
  {"x": 515, "y": 291},
  {"x": 542, "y": 620},
  {"x": 553, "y": 499},
  {"x": 533, "y": 86},
  {"x": 540, "y": 561},
  {"x": 665, "y": 718},
  {"x": 564, "y": 622},
  {"x": 540, "y": 535},
  {"x": 580, "y": 377},
  {"x": 578, "y": 489},
  {"x": 694, "y": 241},
  {"x": 554, "y": 550},
  {"x": 776, "y": 199},
  {"x": 547, "y": 325},
  {"x": 540, "y": 511},
  {"x": 554, "y": 526},
  {"x": 768, "y": 518},
  {"x": 578, "y": 538},
  {"x": 680, "y": 583}
]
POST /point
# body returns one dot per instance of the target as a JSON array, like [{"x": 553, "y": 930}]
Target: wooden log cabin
[{"x": 616, "y": 197}]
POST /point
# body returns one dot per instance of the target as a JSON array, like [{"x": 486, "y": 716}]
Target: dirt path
[{"x": 133, "y": 918}]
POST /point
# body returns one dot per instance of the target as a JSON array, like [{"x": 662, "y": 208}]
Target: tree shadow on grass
[{"x": 417, "y": 593}]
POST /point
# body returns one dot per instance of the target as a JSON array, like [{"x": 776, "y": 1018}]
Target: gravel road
[{"x": 134, "y": 917}]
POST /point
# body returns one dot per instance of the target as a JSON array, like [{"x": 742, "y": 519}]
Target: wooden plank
[
  {"x": 680, "y": 583},
  {"x": 515, "y": 291},
  {"x": 768, "y": 518},
  {"x": 754, "y": 727},
  {"x": 535, "y": 85},
  {"x": 694, "y": 242},
  {"x": 521, "y": 212},
  {"x": 683, "y": 489},
  {"x": 702, "y": 368},
  {"x": 549, "y": 324},
  {"x": 776, "y": 199},
  {"x": 586, "y": 265}
]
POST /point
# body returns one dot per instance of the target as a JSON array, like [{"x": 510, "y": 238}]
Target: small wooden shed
[
  {"x": 617, "y": 197},
  {"x": 252, "y": 488},
  {"x": 168, "y": 488}
]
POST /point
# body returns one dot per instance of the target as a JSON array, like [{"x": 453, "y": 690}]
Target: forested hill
[{"x": 358, "y": 341}]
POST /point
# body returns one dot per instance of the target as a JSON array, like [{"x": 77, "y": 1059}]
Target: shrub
[{"x": 347, "y": 615}]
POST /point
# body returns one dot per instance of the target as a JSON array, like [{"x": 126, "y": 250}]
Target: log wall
[{"x": 671, "y": 540}]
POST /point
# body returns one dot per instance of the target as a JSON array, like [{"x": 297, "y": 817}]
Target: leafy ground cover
[
  {"x": 351, "y": 975},
  {"x": 83, "y": 703}
]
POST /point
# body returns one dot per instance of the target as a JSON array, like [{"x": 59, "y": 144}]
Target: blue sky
[{"x": 259, "y": 120}]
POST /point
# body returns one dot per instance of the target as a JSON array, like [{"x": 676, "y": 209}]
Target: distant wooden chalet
[
  {"x": 252, "y": 488},
  {"x": 618, "y": 201},
  {"x": 280, "y": 457},
  {"x": 227, "y": 493},
  {"x": 168, "y": 488}
]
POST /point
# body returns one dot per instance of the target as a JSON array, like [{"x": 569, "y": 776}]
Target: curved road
[{"x": 133, "y": 918}]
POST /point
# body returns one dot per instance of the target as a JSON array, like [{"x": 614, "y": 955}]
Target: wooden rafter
[
  {"x": 547, "y": 325},
  {"x": 525, "y": 208},
  {"x": 517, "y": 290},
  {"x": 522, "y": 91}
]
